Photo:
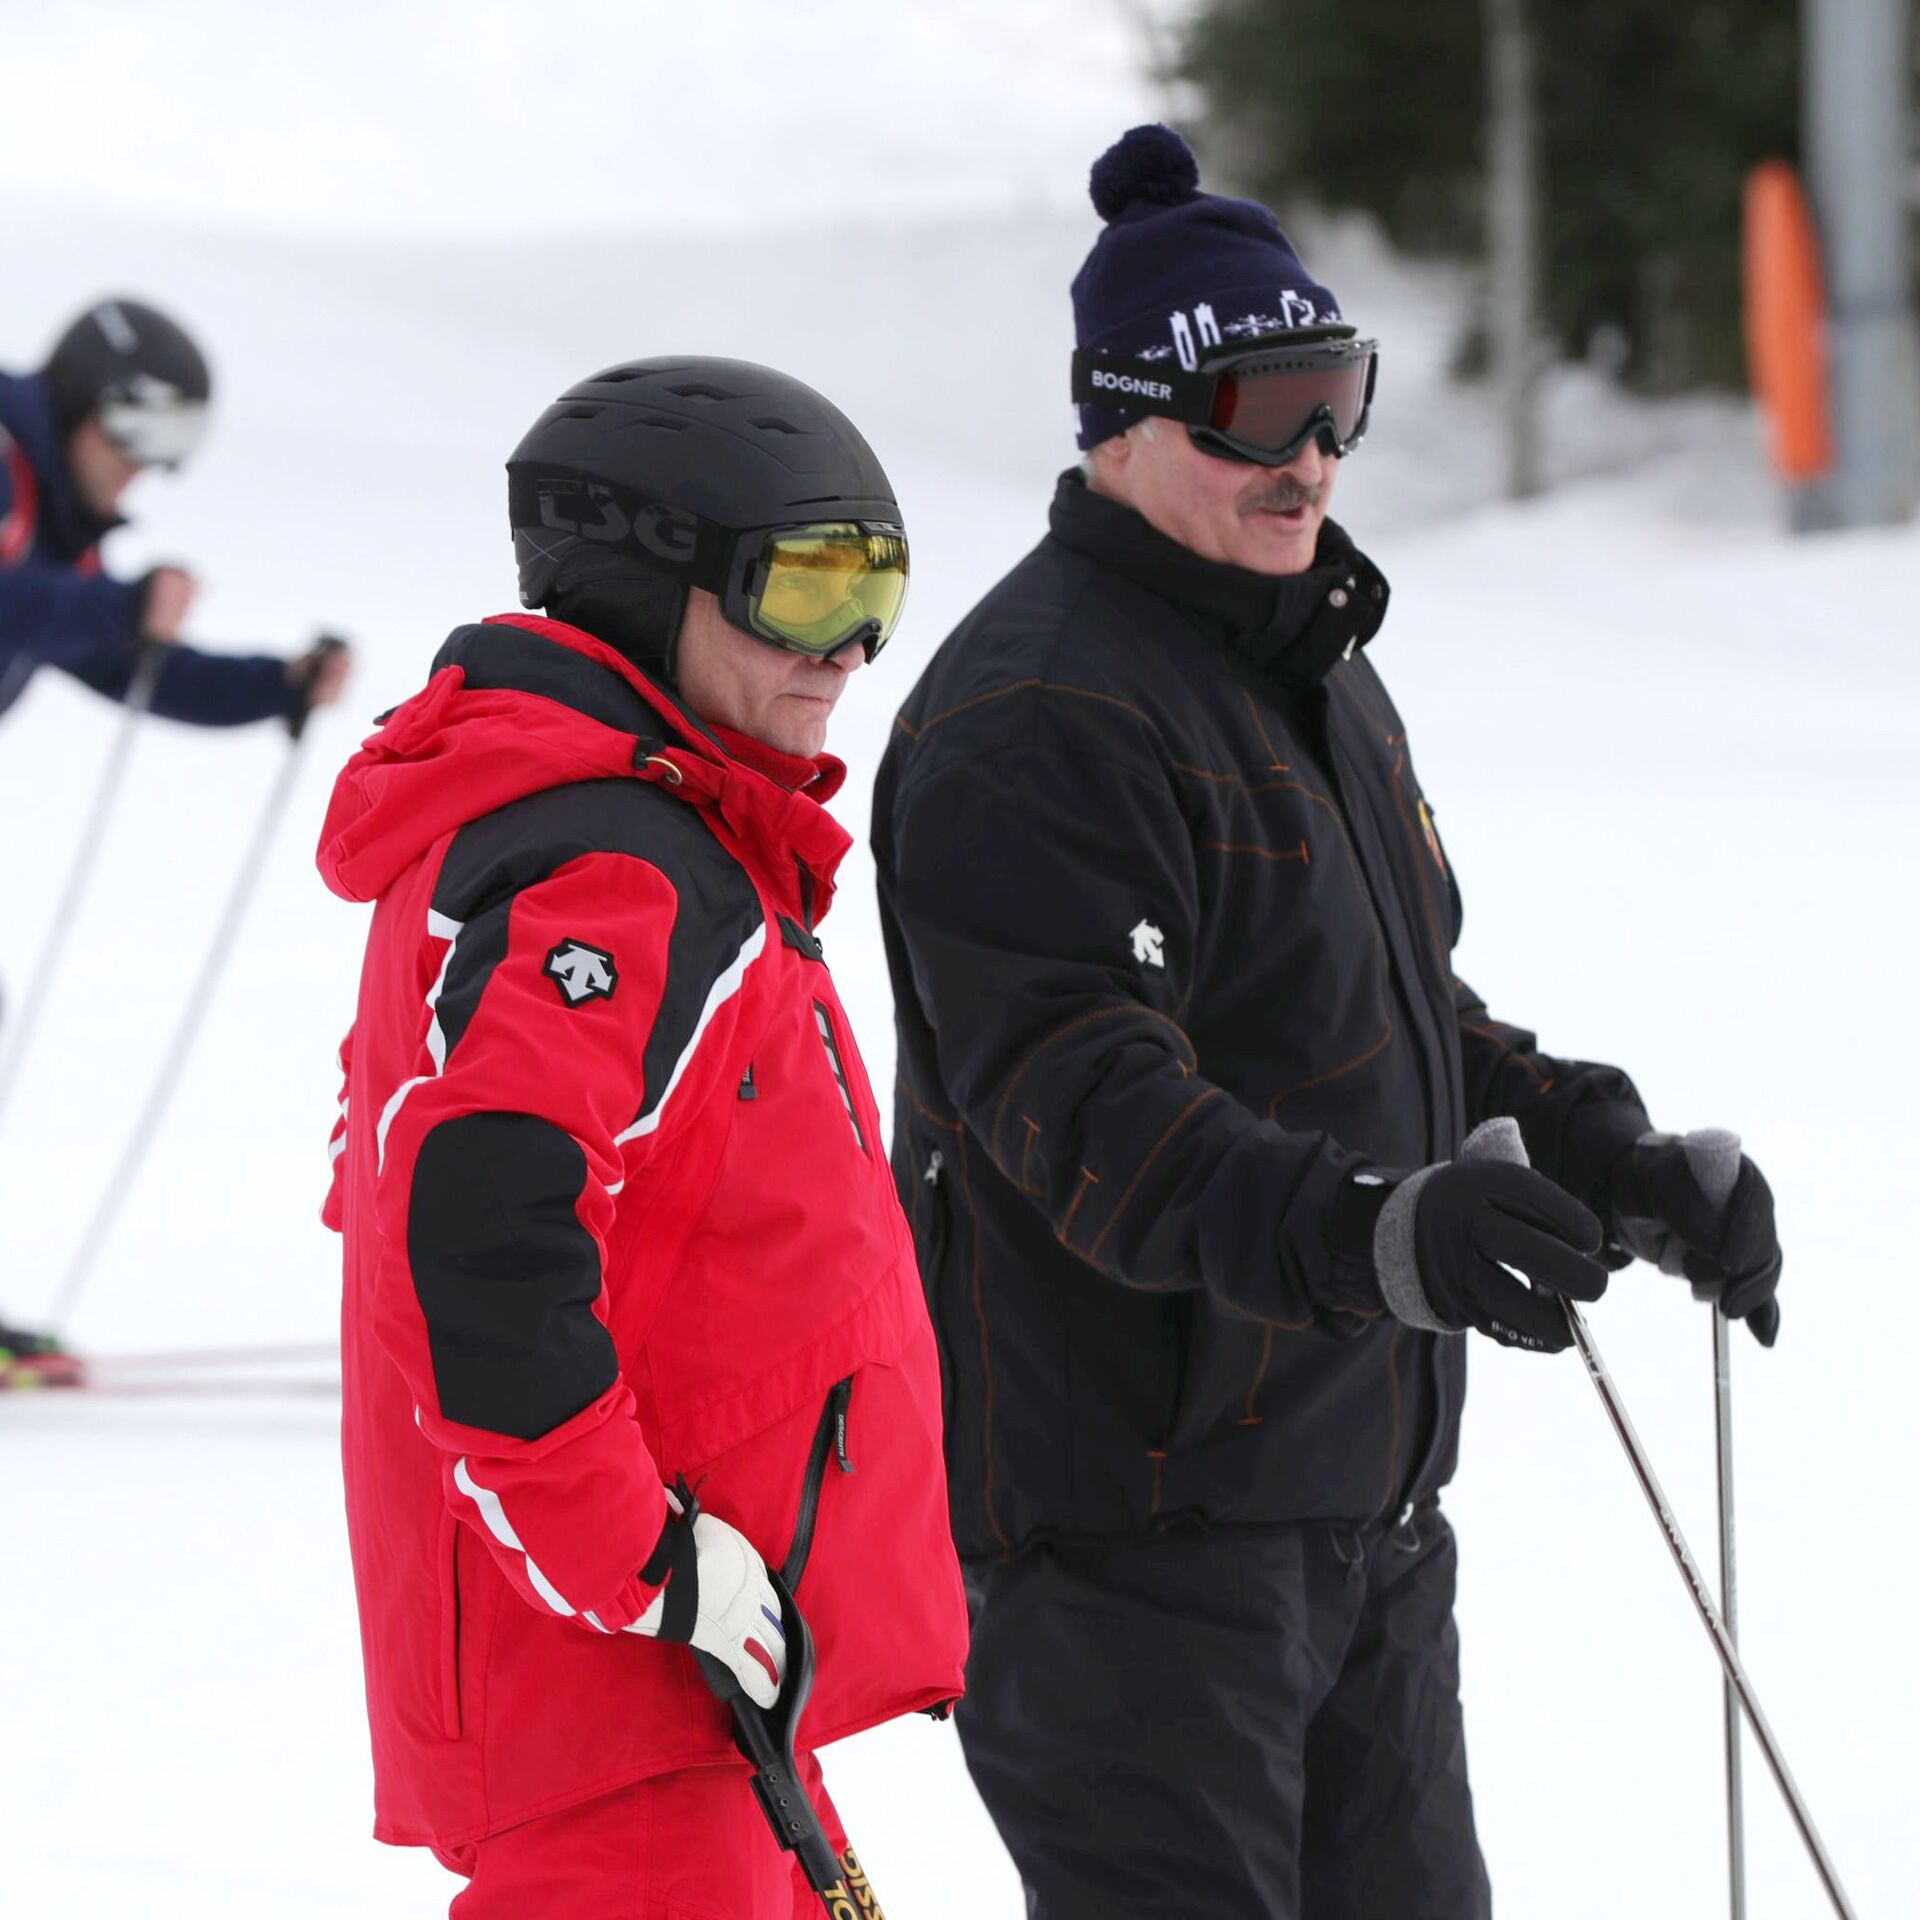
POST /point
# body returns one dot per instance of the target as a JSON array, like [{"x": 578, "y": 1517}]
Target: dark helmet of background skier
[
  {"x": 139, "y": 374},
  {"x": 660, "y": 475},
  {"x": 1194, "y": 307}
]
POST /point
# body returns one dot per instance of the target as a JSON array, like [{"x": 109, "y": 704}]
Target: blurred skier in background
[
  {"x": 1184, "y": 1075},
  {"x": 629, "y": 1300},
  {"x": 125, "y": 389}
]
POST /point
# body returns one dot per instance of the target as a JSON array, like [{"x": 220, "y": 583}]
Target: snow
[{"x": 1671, "y": 753}]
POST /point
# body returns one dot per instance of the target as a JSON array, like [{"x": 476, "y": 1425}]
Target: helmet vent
[
  {"x": 774, "y": 426},
  {"x": 581, "y": 413},
  {"x": 695, "y": 391}
]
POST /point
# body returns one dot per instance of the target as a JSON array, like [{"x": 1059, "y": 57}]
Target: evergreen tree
[{"x": 1651, "y": 114}]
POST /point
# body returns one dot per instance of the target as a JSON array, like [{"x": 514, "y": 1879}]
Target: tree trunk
[{"x": 1513, "y": 241}]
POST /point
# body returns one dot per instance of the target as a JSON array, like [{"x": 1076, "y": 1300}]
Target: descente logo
[{"x": 1127, "y": 383}]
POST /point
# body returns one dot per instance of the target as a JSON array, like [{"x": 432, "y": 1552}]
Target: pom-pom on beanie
[{"x": 1179, "y": 272}]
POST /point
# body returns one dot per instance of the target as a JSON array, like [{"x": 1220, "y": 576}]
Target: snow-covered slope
[{"x": 1671, "y": 756}]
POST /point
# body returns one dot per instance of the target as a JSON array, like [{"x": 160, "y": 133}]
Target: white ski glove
[{"x": 717, "y": 1598}]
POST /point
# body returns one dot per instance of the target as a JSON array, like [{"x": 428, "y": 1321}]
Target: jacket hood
[{"x": 517, "y": 704}]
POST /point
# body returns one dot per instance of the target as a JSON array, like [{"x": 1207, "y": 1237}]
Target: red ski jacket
[{"x": 616, "y": 1208}]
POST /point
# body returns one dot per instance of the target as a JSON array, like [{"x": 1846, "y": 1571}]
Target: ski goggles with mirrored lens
[
  {"x": 816, "y": 589},
  {"x": 154, "y": 433},
  {"x": 1261, "y": 403}
]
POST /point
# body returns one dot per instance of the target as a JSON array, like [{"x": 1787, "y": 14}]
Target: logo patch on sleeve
[
  {"x": 582, "y": 973},
  {"x": 1149, "y": 945}
]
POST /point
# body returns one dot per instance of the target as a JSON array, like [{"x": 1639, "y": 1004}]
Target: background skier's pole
[
  {"x": 1500, "y": 1140},
  {"x": 101, "y": 1225},
  {"x": 150, "y": 659}
]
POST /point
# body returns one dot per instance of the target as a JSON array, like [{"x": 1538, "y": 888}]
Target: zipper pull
[
  {"x": 748, "y": 1091},
  {"x": 841, "y": 1395},
  {"x": 935, "y": 1162}
]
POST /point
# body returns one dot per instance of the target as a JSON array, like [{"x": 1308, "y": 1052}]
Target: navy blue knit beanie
[{"x": 1178, "y": 271}]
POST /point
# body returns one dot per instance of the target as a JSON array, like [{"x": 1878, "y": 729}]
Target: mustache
[{"x": 1281, "y": 496}]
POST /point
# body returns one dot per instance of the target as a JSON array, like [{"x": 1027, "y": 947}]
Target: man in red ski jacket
[{"x": 617, "y": 1211}]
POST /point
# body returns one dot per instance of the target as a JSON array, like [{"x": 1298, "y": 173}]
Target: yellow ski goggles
[{"x": 816, "y": 589}]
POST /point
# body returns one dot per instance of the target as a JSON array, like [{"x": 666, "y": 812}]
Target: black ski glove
[
  {"x": 1483, "y": 1244},
  {"x": 1699, "y": 1207}
]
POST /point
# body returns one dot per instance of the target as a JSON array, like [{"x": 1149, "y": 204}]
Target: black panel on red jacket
[{"x": 506, "y": 1275}]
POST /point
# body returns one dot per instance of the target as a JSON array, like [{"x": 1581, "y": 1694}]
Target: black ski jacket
[{"x": 1169, "y": 924}]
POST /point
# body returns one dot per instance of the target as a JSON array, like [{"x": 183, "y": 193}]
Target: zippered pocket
[
  {"x": 823, "y": 1020},
  {"x": 829, "y": 1441},
  {"x": 449, "y": 1646}
]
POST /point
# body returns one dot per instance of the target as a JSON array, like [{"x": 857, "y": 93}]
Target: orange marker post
[{"x": 1786, "y": 322}]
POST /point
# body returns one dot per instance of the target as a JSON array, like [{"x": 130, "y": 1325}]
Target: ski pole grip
[
  {"x": 322, "y": 650},
  {"x": 1714, "y": 1155},
  {"x": 1497, "y": 1139},
  {"x": 765, "y": 1736}
]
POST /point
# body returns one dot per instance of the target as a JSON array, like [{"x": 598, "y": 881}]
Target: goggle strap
[{"x": 1130, "y": 385}]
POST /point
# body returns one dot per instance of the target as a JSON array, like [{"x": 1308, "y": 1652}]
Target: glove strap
[{"x": 674, "y": 1567}]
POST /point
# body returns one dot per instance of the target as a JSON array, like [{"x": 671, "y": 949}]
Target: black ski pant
[{"x": 1227, "y": 1725}]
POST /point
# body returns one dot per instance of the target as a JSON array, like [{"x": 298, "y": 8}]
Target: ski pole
[
  {"x": 765, "y": 1735},
  {"x": 160, "y": 1095},
  {"x": 1500, "y": 1140},
  {"x": 1714, "y": 1155},
  {"x": 149, "y": 660}
]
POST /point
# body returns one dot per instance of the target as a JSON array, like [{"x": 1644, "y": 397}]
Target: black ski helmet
[
  {"x": 636, "y": 483},
  {"x": 140, "y": 372}
]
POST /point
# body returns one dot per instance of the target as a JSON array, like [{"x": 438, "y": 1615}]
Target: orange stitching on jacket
[
  {"x": 920, "y": 1107},
  {"x": 1366, "y": 708},
  {"x": 1264, "y": 786},
  {"x": 1026, "y": 1156},
  {"x": 1059, "y": 1033},
  {"x": 1088, "y": 1178},
  {"x": 1193, "y": 1106},
  {"x": 1262, "y": 853},
  {"x": 1508, "y": 1049},
  {"x": 1250, "y": 1418},
  {"x": 1274, "y": 763},
  {"x": 1262, "y": 1320},
  {"x": 1032, "y": 686},
  {"x": 1333, "y": 1073}
]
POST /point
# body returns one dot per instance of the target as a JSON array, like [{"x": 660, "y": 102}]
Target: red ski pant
[{"x": 692, "y": 1845}]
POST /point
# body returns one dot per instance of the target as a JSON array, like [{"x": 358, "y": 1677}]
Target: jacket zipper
[{"x": 829, "y": 1439}]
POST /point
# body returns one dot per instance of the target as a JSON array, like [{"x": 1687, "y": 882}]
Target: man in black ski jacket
[{"x": 1184, "y": 1070}]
